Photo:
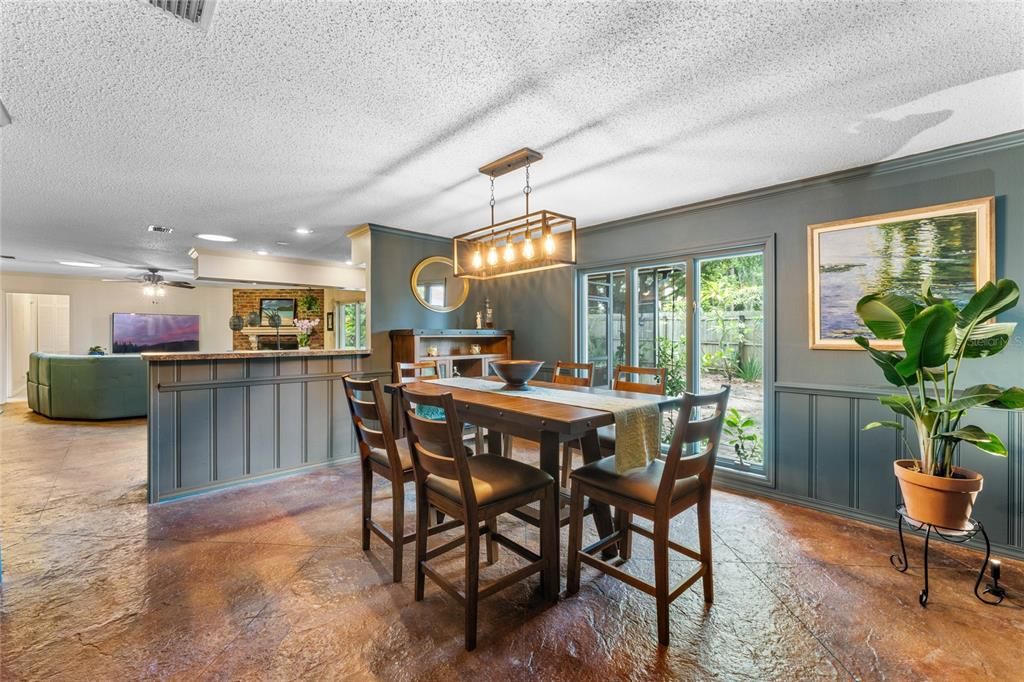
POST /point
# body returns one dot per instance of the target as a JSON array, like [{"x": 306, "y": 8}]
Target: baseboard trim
[{"x": 732, "y": 485}]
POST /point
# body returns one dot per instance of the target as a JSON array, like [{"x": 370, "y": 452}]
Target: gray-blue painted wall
[{"x": 821, "y": 397}]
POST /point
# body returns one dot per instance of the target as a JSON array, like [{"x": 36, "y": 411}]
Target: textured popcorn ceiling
[{"x": 331, "y": 114}]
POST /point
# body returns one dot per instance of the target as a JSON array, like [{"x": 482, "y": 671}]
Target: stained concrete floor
[{"x": 269, "y": 582}]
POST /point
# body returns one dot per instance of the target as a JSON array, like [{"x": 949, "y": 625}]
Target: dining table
[{"x": 550, "y": 424}]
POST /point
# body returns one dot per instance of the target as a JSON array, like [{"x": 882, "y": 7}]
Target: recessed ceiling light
[
  {"x": 262, "y": 252},
  {"x": 79, "y": 264},
  {"x": 303, "y": 230},
  {"x": 160, "y": 228},
  {"x": 215, "y": 237},
  {"x": 281, "y": 243}
]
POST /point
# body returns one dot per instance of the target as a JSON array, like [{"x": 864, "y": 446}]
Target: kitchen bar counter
[
  {"x": 244, "y": 354},
  {"x": 222, "y": 419}
]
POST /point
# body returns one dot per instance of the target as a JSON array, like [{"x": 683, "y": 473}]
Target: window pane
[{"x": 605, "y": 323}]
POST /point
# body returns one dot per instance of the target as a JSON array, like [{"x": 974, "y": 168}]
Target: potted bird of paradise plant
[{"x": 937, "y": 337}]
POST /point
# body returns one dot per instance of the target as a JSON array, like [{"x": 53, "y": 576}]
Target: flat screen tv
[{"x": 146, "y": 332}]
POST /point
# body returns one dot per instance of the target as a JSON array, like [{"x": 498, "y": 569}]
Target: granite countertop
[{"x": 243, "y": 354}]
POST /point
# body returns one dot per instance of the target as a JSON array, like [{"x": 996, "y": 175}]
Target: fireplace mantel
[{"x": 270, "y": 331}]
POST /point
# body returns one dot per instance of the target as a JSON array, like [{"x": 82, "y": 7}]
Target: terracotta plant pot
[{"x": 940, "y": 501}]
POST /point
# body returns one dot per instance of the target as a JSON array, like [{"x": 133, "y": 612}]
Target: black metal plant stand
[{"x": 958, "y": 536}]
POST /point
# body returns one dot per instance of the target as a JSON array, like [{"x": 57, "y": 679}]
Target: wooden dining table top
[{"x": 543, "y": 414}]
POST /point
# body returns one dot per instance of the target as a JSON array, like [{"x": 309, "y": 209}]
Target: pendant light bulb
[
  {"x": 510, "y": 252},
  {"x": 549, "y": 244},
  {"x": 478, "y": 259},
  {"x": 148, "y": 291},
  {"x": 492, "y": 255},
  {"x": 528, "y": 251},
  {"x": 160, "y": 291}
]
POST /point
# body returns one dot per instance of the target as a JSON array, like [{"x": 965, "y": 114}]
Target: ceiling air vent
[{"x": 196, "y": 12}]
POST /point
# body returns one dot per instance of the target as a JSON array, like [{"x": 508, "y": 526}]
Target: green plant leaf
[
  {"x": 900, "y": 404},
  {"x": 887, "y": 315},
  {"x": 990, "y": 300},
  {"x": 981, "y": 394},
  {"x": 1011, "y": 399},
  {"x": 982, "y": 439},
  {"x": 929, "y": 340},
  {"x": 887, "y": 360},
  {"x": 985, "y": 339},
  {"x": 884, "y": 424}
]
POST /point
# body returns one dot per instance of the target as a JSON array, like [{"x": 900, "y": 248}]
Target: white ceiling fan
[{"x": 155, "y": 284}]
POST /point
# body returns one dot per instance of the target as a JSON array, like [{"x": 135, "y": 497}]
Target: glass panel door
[
  {"x": 604, "y": 323},
  {"x": 730, "y": 350}
]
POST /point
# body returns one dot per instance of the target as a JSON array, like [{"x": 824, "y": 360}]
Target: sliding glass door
[
  {"x": 701, "y": 317},
  {"x": 730, "y": 333}
]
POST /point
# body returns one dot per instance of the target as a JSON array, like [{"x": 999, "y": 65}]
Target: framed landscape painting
[
  {"x": 285, "y": 307},
  {"x": 950, "y": 245}
]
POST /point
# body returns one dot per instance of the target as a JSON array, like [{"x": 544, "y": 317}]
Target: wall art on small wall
[
  {"x": 950, "y": 245},
  {"x": 285, "y": 307}
]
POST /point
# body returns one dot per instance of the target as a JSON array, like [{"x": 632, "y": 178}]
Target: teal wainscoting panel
[
  {"x": 318, "y": 420},
  {"x": 833, "y": 451},
  {"x": 876, "y": 450},
  {"x": 793, "y": 444},
  {"x": 229, "y": 417},
  {"x": 195, "y": 451}
]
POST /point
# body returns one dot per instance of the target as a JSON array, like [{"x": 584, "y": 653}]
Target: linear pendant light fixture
[{"x": 528, "y": 243}]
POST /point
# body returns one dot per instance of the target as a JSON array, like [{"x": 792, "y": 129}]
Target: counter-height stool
[
  {"x": 409, "y": 372},
  {"x": 625, "y": 378},
  {"x": 566, "y": 374},
  {"x": 474, "y": 490},
  {"x": 379, "y": 454},
  {"x": 657, "y": 492}
]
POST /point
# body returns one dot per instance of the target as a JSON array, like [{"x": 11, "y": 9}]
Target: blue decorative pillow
[{"x": 430, "y": 412}]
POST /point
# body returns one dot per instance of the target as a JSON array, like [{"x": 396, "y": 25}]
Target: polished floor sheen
[{"x": 269, "y": 582}]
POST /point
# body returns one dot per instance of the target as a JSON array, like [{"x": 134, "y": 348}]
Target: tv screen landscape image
[{"x": 146, "y": 332}]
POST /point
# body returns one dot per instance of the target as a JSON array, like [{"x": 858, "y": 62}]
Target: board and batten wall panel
[{"x": 219, "y": 422}]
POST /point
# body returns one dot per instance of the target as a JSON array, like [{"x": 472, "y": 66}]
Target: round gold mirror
[{"x": 435, "y": 285}]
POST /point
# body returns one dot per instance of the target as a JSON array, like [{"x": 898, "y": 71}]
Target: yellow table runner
[{"x": 637, "y": 422}]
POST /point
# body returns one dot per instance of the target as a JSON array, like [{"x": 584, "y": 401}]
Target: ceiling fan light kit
[{"x": 535, "y": 241}]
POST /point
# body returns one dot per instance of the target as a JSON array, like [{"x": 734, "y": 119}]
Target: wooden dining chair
[
  {"x": 658, "y": 492},
  {"x": 380, "y": 454},
  {"x": 409, "y": 372},
  {"x": 567, "y": 374},
  {"x": 625, "y": 378},
  {"x": 474, "y": 490}
]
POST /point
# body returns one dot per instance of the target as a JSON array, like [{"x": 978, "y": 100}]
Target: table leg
[
  {"x": 494, "y": 442},
  {"x": 602, "y": 513},
  {"x": 549, "y": 464}
]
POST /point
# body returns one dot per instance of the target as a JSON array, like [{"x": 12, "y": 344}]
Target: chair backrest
[
  {"x": 436, "y": 446},
  {"x": 694, "y": 428},
  {"x": 408, "y": 372},
  {"x": 629, "y": 378},
  {"x": 566, "y": 373},
  {"x": 370, "y": 419}
]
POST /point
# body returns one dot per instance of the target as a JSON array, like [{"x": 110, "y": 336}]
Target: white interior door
[{"x": 35, "y": 322}]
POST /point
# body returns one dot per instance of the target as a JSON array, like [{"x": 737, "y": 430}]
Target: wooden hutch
[{"x": 452, "y": 347}]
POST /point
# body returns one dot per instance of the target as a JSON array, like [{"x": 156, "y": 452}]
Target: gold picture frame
[{"x": 859, "y": 255}]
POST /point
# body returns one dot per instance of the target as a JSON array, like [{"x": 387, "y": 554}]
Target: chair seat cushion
[
  {"x": 494, "y": 479},
  {"x": 637, "y": 484},
  {"x": 381, "y": 457}
]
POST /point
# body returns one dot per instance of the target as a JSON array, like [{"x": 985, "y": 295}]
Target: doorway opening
[{"x": 34, "y": 323}]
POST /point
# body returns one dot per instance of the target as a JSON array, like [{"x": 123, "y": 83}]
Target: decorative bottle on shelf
[
  {"x": 479, "y": 320},
  {"x": 488, "y": 314}
]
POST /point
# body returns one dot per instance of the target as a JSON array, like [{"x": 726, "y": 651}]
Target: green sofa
[{"x": 87, "y": 386}]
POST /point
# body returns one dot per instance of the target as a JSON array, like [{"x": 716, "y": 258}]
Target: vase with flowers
[{"x": 306, "y": 330}]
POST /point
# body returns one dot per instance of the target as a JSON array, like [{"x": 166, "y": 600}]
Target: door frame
[{"x": 765, "y": 244}]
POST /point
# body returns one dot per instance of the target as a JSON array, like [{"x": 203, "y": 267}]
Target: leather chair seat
[
  {"x": 637, "y": 484},
  {"x": 494, "y": 479},
  {"x": 381, "y": 457}
]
